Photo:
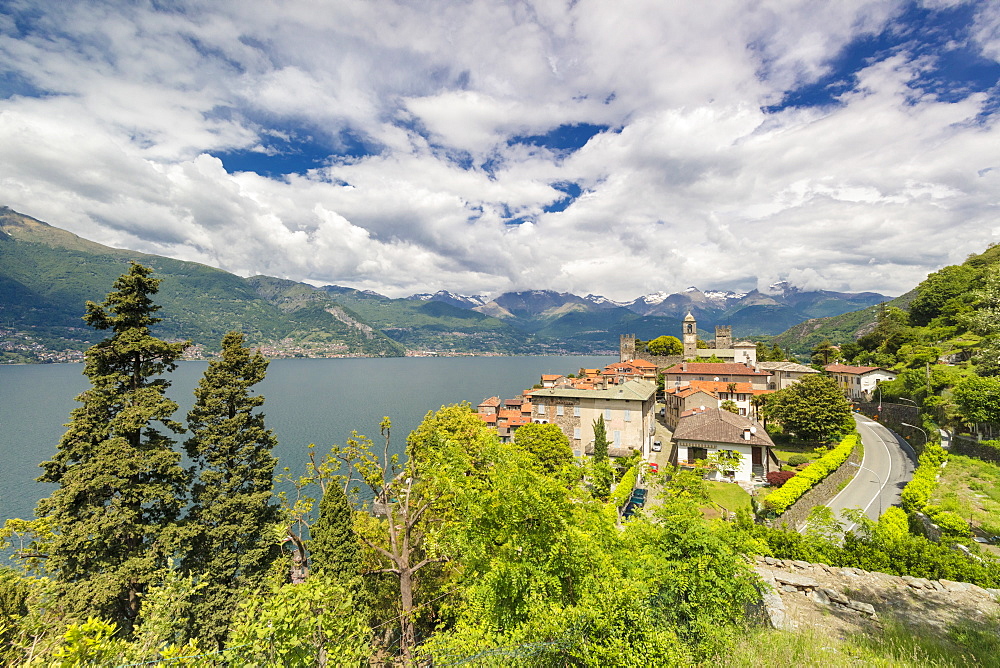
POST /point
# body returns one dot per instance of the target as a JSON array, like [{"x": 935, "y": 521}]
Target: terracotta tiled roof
[
  {"x": 492, "y": 401},
  {"x": 719, "y": 426},
  {"x": 509, "y": 413},
  {"x": 717, "y": 369},
  {"x": 551, "y": 376},
  {"x": 488, "y": 418},
  {"x": 643, "y": 364},
  {"x": 721, "y": 386}
]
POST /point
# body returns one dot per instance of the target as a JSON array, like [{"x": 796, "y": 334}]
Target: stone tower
[
  {"x": 626, "y": 345},
  {"x": 690, "y": 337},
  {"x": 723, "y": 337}
]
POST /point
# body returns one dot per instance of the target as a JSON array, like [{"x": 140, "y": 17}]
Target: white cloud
[{"x": 693, "y": 184}]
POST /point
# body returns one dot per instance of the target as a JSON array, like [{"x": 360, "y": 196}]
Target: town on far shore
[{"x": 705, "y": 407}]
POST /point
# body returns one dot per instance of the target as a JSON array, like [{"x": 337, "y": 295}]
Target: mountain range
[{"x": 47, "y": 274}]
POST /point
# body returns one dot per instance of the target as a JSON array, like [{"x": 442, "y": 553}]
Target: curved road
[{"x": 888, "y": 465}]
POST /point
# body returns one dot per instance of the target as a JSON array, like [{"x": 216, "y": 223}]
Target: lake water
[{"x": 308, "y": 401}]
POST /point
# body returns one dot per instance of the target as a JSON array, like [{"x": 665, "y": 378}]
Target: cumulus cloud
[{"x": 441, "y": 169}]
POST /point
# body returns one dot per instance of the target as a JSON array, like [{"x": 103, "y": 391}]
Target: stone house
[
  {"x": 627, "y": 409},
  {"x": 704, "y": 433},
  {"x": 784, "y": 374},
  {"x": 859, "y": 382}
]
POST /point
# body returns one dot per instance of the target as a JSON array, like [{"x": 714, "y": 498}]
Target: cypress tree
[
  {"x": 231, "y": 517},
  {"x": 602, "y": 465},
  {"x": 120, "y": 483},
  {"x": 333, "y": 548}
]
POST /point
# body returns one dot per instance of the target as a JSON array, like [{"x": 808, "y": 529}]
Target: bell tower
[
  {"x": 690, "y": 337},
  {"x": 627, "y": 347}
]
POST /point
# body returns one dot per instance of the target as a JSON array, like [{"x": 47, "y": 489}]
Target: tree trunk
[{"x": 409, "y": 636}]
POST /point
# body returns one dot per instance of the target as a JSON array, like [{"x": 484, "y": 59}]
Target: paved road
[{"x": 891, "y": 462}]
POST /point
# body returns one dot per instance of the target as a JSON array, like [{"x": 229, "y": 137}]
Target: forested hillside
[{"x": 46, "y": 274}]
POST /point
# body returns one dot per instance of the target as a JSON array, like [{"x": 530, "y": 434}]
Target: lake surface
[{"x": 307, "y": 401}]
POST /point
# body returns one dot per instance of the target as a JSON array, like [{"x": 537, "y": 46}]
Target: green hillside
[
  {"x": 938, "y": 315},
  {"x": 47, "y": 274}
]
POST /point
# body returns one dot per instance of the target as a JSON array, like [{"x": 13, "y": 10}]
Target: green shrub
[
  {"x": 798, "y": 460},
  {"x": 952, "y": 524},
  {"x": 623, "y": 490},
  {"x": 917, "y": 493},
  {"x": 780, "y": 500}
]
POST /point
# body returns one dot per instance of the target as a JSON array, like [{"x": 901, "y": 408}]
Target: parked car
[
  {"x": 657, "y": 446},
  {"x": 629, "y": 510}
]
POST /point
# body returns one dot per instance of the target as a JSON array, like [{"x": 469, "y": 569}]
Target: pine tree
[
  {"x": 121, "y": 487},
  {"x": 334, "y": 549},
  {"x": 231, "y": 515}
]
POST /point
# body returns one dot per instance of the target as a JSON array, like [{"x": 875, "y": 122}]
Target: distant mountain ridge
[
  {"x": 46, "y": 275},
  {"x": 750, "y": 313}
]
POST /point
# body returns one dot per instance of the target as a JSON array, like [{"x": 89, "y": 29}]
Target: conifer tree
[
  {"x": 602, "y": 465},
  {"x": 120, "y": 483},
  {"x": 232, "y": 516},
  {"x": 333, "y": 548}
]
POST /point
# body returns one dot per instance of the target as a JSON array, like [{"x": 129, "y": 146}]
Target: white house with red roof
[
  {"x": 701, "y": 434},
  {"x": 859, "y": 382}
]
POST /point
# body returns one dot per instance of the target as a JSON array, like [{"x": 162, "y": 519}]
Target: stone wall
[
  {"x": 970, "y": 447},
  {"x": 820, "y": 495},
  {"x": 799, "y": 593},
  {"x": 893, "y": 416}
]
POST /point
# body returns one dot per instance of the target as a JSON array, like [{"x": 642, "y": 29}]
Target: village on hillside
[{"x": 703, "y": 408}]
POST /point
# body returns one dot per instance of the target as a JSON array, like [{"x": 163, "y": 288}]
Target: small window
[
  {"x": 576, "y": 433},
  {"x": 541, "y": 409},
  {"x": 576, "y": 411},
  {"x": 559, "y": 409},
  {"x": 618, "y": 439},
  {"x": 628, "y": 415},
  {"x": 607, "y": 413}
]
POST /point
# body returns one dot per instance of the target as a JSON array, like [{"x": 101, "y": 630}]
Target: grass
[
  {"x": 968, "y": 644},
  {"x": 729, "y": 495},
  {"x": 971, "y": 488}
]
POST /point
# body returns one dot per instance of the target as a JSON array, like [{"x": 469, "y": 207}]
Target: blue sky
[{"x": 483, "y": 146}]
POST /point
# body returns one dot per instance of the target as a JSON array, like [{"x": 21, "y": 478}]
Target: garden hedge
[{"x": 780, "y": 500}]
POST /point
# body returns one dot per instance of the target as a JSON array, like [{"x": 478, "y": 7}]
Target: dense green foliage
[
  {"x": 120, "y": 484},
  {"x": 602, "y": 473},
  {"x": 547, "y": 443},
  {"x": 885, "y": 546},
  {"x": 333, "y": 547},
  {"x": 812, "y": 409},
  {"x": 790, "y": 492},
  {"x": 230, "y": 522},
  {"x": 663, "y": 346}
]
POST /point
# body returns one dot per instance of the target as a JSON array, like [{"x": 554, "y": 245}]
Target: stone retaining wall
[
  {"x": 854, "y": 595},
  {"x": 970, "y": 447},
  {"x": 820, "y": 495}
]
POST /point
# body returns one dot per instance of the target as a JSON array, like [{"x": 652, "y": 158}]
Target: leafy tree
[
  {"x": 232, "y": 518},
  {"x": 334, "y": 549},
  {"x": 814, "y": 408},
  {"x": 938, "y": 290},
  {"x": 730, "y": 405},
  {"x": 315, "y": 623},
  {"x": 121, "y": 486},
  {"x": 777, "y": 354},
  {"x": 663, "y": 346},
  {"x": 602, "y": 467},
  {"x": 547, "y": 443},
  {"x": 978, "y": 400},
  {"x": 891, "y": 332}
]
